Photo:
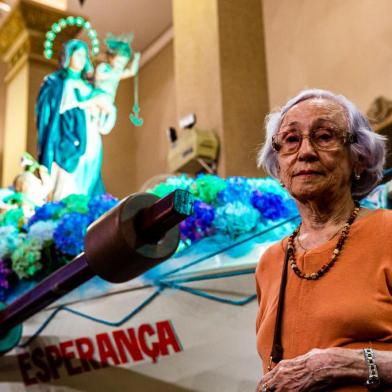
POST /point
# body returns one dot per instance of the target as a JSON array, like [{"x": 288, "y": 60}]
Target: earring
[{"x": 357, "y": 176}]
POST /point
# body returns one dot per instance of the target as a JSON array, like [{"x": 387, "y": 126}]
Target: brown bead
[{"x": 335, "y": 253}]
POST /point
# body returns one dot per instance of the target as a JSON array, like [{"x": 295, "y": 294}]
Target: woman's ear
[
  {"x": 358, "y": 169},
  {"x": 361, "y": 162}
]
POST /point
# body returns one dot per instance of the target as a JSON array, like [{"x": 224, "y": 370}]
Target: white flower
[
  {"x": 42, "y": 231},
  {"x": 10, "y": 239}
]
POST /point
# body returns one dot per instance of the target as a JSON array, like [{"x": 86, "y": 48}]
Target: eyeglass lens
[{"x": 321, "y": 138}]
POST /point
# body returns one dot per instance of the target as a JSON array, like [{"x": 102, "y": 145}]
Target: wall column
[{"x": 220, "y": 75}]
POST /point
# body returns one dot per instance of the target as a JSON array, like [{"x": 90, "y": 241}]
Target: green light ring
[{"x": 60, "y": 25}]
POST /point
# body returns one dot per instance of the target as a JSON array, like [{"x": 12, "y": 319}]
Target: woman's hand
[{"x": 315, "y": 371}]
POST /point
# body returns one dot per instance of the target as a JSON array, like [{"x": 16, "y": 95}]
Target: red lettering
[
  {"x": 86, "y": 353},
  {"x": 53, "y": 356},
  {"x": 68, "y": 356},
  {"x": 37, "y": 357},
  {"x": 167, "y": 337},
  {"x": 130, "y": 343},
  {"x": 24, "y": 368},
  {"x": 153, "y": 350},
  {"x": 106, "y": 350}
]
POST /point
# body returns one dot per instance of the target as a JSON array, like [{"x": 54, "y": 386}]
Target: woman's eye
[
  {"x": 324, "y": 134},
  {"x": 292, "y": 138}
]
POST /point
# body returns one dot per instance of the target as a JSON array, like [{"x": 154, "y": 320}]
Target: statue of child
[{"x": 108, "y": 75}]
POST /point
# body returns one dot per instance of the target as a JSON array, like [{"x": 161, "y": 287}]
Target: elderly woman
[{"x": 325, "y": 292}]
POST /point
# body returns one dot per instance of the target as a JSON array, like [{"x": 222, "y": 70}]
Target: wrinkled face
[
  {"x": 78, "y": 60},
  {"x": 119, "y": 62},
  {"x": 310, "y": 173}
]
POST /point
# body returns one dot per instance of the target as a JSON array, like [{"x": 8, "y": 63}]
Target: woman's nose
[{"x": 306, "y": 148}]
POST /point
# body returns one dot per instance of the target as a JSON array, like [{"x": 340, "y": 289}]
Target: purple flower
[
  {"x": 198, "y": 225},
  {"x": 5, "y": 272}
]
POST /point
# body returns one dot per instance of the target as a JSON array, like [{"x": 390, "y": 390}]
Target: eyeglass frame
[{"x": 347, "y": 137}]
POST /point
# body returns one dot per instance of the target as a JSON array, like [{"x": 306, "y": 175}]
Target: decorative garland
[{"x": 63, "y": 23}]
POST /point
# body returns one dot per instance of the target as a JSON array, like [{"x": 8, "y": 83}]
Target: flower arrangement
[{"x": 32, "y": 248}]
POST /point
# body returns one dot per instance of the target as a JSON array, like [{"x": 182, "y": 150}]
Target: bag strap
[{"x": 277, "y": 347}]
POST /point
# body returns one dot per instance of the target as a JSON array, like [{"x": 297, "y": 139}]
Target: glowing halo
[{"x": 63, "y": 23}]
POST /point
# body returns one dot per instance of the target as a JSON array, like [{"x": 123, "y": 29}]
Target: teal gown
[{"x": 69, "y": 142}]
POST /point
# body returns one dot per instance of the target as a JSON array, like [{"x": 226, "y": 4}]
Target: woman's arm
[{"x": 320, "y": 368}]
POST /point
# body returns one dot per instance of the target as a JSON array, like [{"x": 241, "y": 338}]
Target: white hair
[{"x": 368, "y": 149}]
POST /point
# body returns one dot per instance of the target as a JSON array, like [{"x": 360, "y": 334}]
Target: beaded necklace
[{"x": 335, "y": 253}]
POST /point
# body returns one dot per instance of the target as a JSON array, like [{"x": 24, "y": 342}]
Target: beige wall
[
  {"x": 132, "y": 155},
  {"x": 16, "y": 117},
  {"x": 344, "y": 46},
  {"x": 118, "y": 147},
  {"x": 2, "y": 115},
  {"x": 37, "y": 71}
]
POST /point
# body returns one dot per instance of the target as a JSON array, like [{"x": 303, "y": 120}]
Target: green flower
[
  {"x": 75, "y": 203},
  {"x": 26, "y": 259},
  {"x": 162, "y": 190},
  {"x": 207, "y": 187},
  {"x": 14, "y": 217},
  {"x": 170, "y": 185}
]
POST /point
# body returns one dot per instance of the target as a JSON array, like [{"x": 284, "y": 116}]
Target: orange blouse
[{"x": 350, "y": 306}]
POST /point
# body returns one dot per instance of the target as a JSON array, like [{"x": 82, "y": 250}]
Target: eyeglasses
[{"x": 325, "y": 139}]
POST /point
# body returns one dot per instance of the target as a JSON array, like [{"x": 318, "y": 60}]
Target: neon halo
[{"x": 61, "y": 24}]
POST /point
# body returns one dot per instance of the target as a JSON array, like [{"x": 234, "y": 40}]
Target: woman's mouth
[{"x": 307, "y": 173}]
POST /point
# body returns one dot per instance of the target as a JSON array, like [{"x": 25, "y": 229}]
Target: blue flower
[
  {"x": 238, "y": 189},
  {"x": 49, "y": 211},
  {"x": 100, "y": 204},
  {"x": 269, "y": 185},
  {"x": 236, "y": 218},
  {"x": 271, "y": 206},
  {"x": 69, "y": 234}
]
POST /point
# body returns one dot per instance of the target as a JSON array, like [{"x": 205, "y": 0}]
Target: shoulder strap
[{"x": 277, "y": 348}]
